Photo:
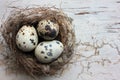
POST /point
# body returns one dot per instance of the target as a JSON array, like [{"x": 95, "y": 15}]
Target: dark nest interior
[{"x": 31, "y": 16}]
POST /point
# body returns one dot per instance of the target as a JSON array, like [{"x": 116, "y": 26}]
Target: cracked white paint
[{"x": 97, "y": 28}]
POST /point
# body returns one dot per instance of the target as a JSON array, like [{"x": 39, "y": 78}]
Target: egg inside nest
[
  {"x": 47, "y": 29},
  {"x": 48, "y": 51},
  {"x": 26, "y": 38}
]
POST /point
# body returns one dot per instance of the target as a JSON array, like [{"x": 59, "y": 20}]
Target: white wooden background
[{"x": 97, "y": 28}]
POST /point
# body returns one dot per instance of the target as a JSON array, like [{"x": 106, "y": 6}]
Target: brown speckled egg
[
  {"x": 48, "y": 51},
  {"x": 47, "y": 29},
  {"x": 26, "y": 38}
]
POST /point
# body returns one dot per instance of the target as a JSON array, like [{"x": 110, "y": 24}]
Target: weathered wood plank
[{"x": 97, "y": 28}]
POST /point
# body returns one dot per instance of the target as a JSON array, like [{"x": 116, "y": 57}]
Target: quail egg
[
  {"x": 26, "y": 38},
  {"x": 47, "y": 29},
  {"x": 48, "y": 51}
]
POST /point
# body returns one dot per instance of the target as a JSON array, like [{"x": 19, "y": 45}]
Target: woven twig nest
[{"x": 31, "y": 16}]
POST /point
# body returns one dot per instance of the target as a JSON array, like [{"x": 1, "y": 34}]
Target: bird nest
[{"x": 31, "y": 16}]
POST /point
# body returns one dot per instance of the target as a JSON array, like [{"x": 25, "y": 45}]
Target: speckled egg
[
  {"x": 48, "y": 29},
  {"x": 26, "y": 38},
  {"x": 48, "y": 51}
]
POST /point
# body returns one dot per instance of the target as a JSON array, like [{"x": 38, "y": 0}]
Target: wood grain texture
[{"x": 97, "y": 28}]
